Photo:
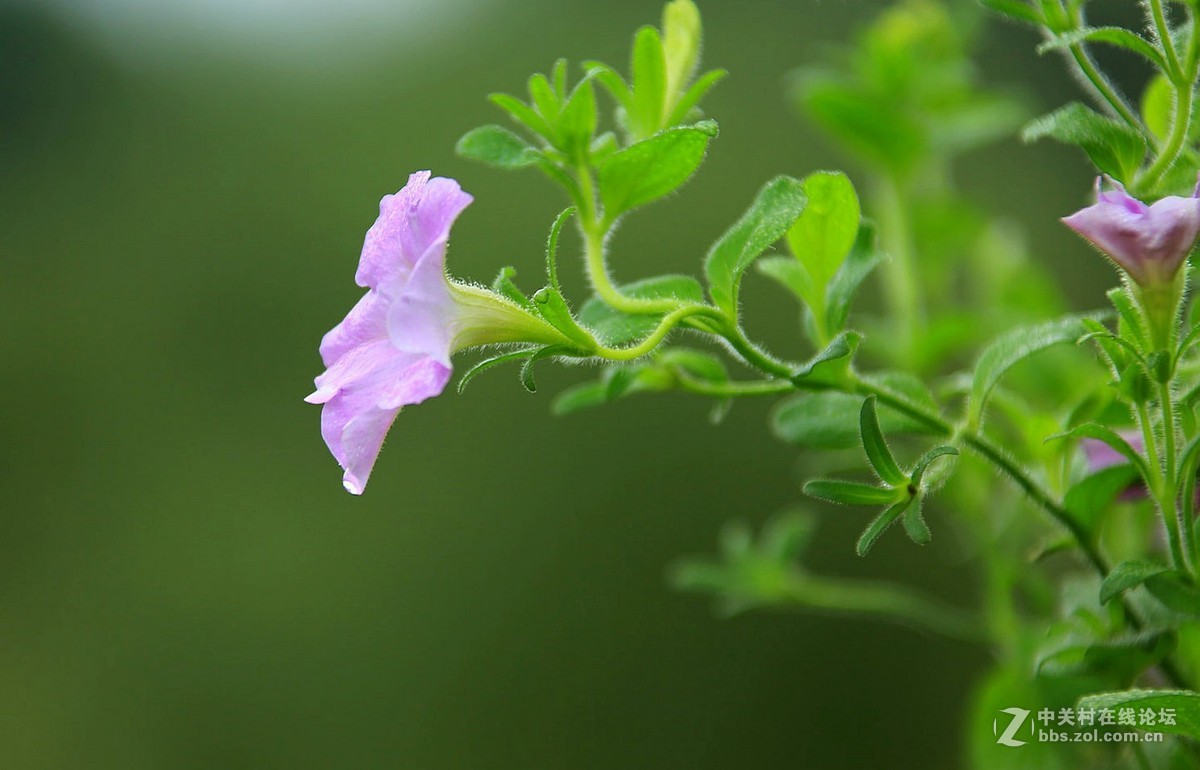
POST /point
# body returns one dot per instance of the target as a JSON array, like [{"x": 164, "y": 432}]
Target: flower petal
[{"x": 410, "y": 222}]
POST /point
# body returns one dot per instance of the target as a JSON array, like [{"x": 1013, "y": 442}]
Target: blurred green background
[{"x": 184, "y": 189}]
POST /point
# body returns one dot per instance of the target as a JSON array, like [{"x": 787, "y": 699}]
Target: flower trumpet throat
[{"x": 393, "y": 348}]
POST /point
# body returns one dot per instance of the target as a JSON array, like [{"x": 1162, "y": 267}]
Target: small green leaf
[
  {"x": 849, "y": 492},
  {"x": 827, "y": 365},
  {"x": 1157, "y": 105},
  {"x": 1115, "y": 148},
  {"x": 875, "y": 445},
  {"x": 1130, "y": 318},
  {"x": 863, "y": 258},
  {"x": 652, "y": 168},
  {"x": 527, "y": 368},
  {"x": 489, "y": 363},
  {"x": 496, "y": 147},
  {"x": 506, "y": 287},
  {"x": 1108, "y": 436},
  {"x": 1010, "y": 349},
  {"x": 612, "y": 82},
  {"x": 788, "y": 273},
  {"x": 523, "y": 114},
  {"x": 578, "y": 120},
  {"x": 1126, "y": 575},
  {"x": 915, "y": 526},
  {"x": 1184, "y": 704},
  {"x": 542, "y": 95},
  {"x": 927, "y": 459},
  {"x": 552, "y": 247},
  {"x": 552, "y": 307},
  {"x": 856, "y": 117},
  {"x": 1016, "y": 10},
  {"x": 579, "y": 397},
  {"x": 1176, "y": 591},
  {"x": 821, "y": 237},
  {"x": 691, "y": 98},
  {"x": 879, "y": 525},
  {"x": 649, "y": 83},
  {"x": 1116, "y": 36},
  {"x": 1094, "y": 494},
  {"x": 773, "y": 211},
  {"x": 681, "y": 32}
]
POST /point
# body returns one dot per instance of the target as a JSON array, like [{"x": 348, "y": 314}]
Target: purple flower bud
[
  {"x": 393, "y": 348},
  {"x": 1147, "y": 242}
]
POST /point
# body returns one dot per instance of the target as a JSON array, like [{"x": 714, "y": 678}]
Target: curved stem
[
  {"x": 733, "y": 389},
  {"x": 1104, "y": 89},
  {"x": 669, "y": 322}
]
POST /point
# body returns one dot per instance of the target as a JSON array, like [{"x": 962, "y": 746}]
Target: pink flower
[
  {"x": 1147, "y": 242},
  {"x": 393, "y": 348}
]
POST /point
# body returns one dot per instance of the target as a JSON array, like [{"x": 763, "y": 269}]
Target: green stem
[
  {"x": 1100, "y": 83},
  {"x": 1183, "y": 82},
  {"x": 669, "y": 322},
  {"x": 731, "y": 389},
  {"x": 1163, "y": 31},
  {"x": 902, "y": 288},
  {"x": 885, "y": 601}
]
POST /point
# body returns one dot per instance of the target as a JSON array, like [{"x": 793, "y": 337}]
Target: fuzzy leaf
[
  {"x": 1114, "y": 148},
  {"x": 773, "y": 211},
  {"x": 652, "y": 168},
  {"x": 1010, "y": 349},
  {"x": 497, "y": 147}
]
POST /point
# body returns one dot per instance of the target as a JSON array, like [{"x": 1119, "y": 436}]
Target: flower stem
[{"x": 1099, "y": 81}]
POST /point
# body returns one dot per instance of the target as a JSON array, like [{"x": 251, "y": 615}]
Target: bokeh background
[{"x": 184, "y": 187}]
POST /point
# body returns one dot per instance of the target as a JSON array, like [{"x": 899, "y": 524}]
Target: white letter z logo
[{"x": 1018, "y": 719}]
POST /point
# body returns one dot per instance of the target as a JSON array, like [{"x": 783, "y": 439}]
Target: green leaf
[
  {"x": 579, "y": 397},
  {"x": 879, "y": 525},
  {"x": 1116, "y": 36},
  {"x": 691, "y": 98},
  {"x": 788, "y": 273},
  {"x": 1121, "y": 658},
  {"x": 1010, "y": 349},
  {"x": 827, "y": 365},
  {"x": 1108, "y": 436},
  {"x": 698, "y": 364},
  {"x": 1094, "y": 494},
  {"x": 523, "y": 114},
  {"x": 552, "y": 247},
  {"x": 1126, "y": 575},
  {"x": 506, "y": 287},
  {"x": 915, "y": 526},
  {"x": 497, "y": 147},
  {"x": 1184, "y": 703},
  {"x": 875, "y": 445},
  {"x": 612, "y": 82},
  {"x": 1015, "y": 9},
  {"x": 547, "y": 352},
  {"x": 553, "y": 308},
  {"x": 652, "y": 168},
  {"x": 829, "y": 420},
  {"x": 849, "y": 492},
  {"x": 927, "y": 459},
  {"x": 614, "y": 327},
  {"x": 489, "y": 363},
  {"x": 1176, "y": 591},
  {"x": 1157, "y": 106},
  {"x": 578, "y": 120},
  {"x": 681, "y": 34},
  {"x": 868, "y": 128},
  {"x": 542, "y": 95},
  {"x": 863, "y": 258},
  {"x": 649, "y": 83},
  {"x": 773, "y": 211},
  {"x": 826, "y": 229},
  {"x": 1115, "y": 148}
]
